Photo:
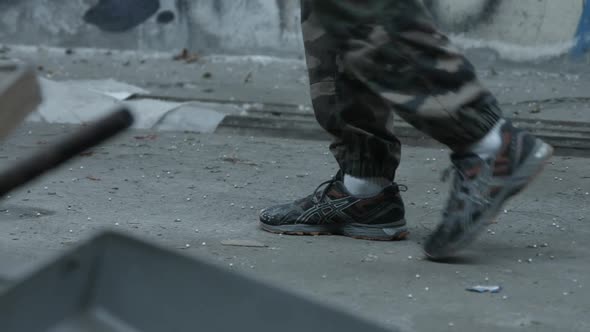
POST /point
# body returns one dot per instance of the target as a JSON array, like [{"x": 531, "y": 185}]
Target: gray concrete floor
[
  {"x": 215, "y": 185},
  {"x": 555, "y": 90}
]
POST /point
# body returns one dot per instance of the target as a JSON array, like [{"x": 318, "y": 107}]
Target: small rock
[
  {"x": 536, "y": 108},
  {"x": 370, "y": 258},
  {"x": 485, "y": 289}
]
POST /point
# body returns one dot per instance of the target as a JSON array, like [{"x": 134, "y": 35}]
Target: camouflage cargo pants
[{"x": 370, "y": 59}]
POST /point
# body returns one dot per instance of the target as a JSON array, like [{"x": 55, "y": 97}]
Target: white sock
[
  {"x": 365, "y": 187},
  {"x": 490, "y": 144}
]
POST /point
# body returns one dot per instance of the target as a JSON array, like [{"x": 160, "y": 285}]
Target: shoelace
[
  {"x": 446, "y": 174},
  {"x": 460, "y": 184},
  {"x": 328, "y": 184},
  {"x": 454, "y": 168}
]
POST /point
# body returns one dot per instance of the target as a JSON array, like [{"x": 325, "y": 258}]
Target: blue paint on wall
[
  {"x": 583, "y": 35},
  {"x": 121, "y": 15}
]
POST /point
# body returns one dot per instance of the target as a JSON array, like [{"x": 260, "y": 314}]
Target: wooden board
[{"x": 20, "y": 94}]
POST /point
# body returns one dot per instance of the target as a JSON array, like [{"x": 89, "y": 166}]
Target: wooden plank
[{"x": 20, "y": 94}]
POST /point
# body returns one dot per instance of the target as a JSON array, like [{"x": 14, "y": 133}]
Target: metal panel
[{"x": 119, "y": 284}]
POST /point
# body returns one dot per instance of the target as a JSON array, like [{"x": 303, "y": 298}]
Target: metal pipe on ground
[{"x": 53, "y": 156}]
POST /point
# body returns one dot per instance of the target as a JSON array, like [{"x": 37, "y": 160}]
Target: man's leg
[
  {"x": 394, "y": 49},
  {"x": 360, "y": 121},
  {"x": 362, "y": 201}
]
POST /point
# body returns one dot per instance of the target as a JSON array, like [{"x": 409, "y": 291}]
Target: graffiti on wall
[
  {"x": 122, "y": 16},
  {"x": 583, "y": 33},
  {"x": 270, "y": 26},
  {"x": 522, "y": 23},
  {"x": 479, "y": 12},
  {"x": 119, "y": 16},
  {"x": 206, "y": 26}
]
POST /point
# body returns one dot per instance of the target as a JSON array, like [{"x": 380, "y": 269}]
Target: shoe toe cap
[
  {"x": 272, "y": 215},
  {"x": 266, "y": 216},
  {"x": 279, "y": 215},
  {"x": 440, "y": 245}
]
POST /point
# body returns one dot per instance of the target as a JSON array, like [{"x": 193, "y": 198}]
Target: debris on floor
[
  {"x": 485, "y": 289},
  {"x": 243, "y": 243}
]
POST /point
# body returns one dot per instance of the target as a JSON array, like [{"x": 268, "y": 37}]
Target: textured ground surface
[{"x": 214, "y": 186}]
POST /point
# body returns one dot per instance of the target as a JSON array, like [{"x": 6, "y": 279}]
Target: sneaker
[
  {"x": 332, "y": 210},
  {"x": 481, "y": 187}
]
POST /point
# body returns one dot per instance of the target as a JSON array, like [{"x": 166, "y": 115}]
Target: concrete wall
[
  {"x": 523, "y": 28},
  {"x": 207, "y": 26}
]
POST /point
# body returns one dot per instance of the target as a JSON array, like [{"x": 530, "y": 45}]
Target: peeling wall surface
[{"x": 271, "y": 27}]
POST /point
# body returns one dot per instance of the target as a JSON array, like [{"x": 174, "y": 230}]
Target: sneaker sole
[
  {"x": 530, "y": 170},
  {"x": 389, "y": 232}
]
